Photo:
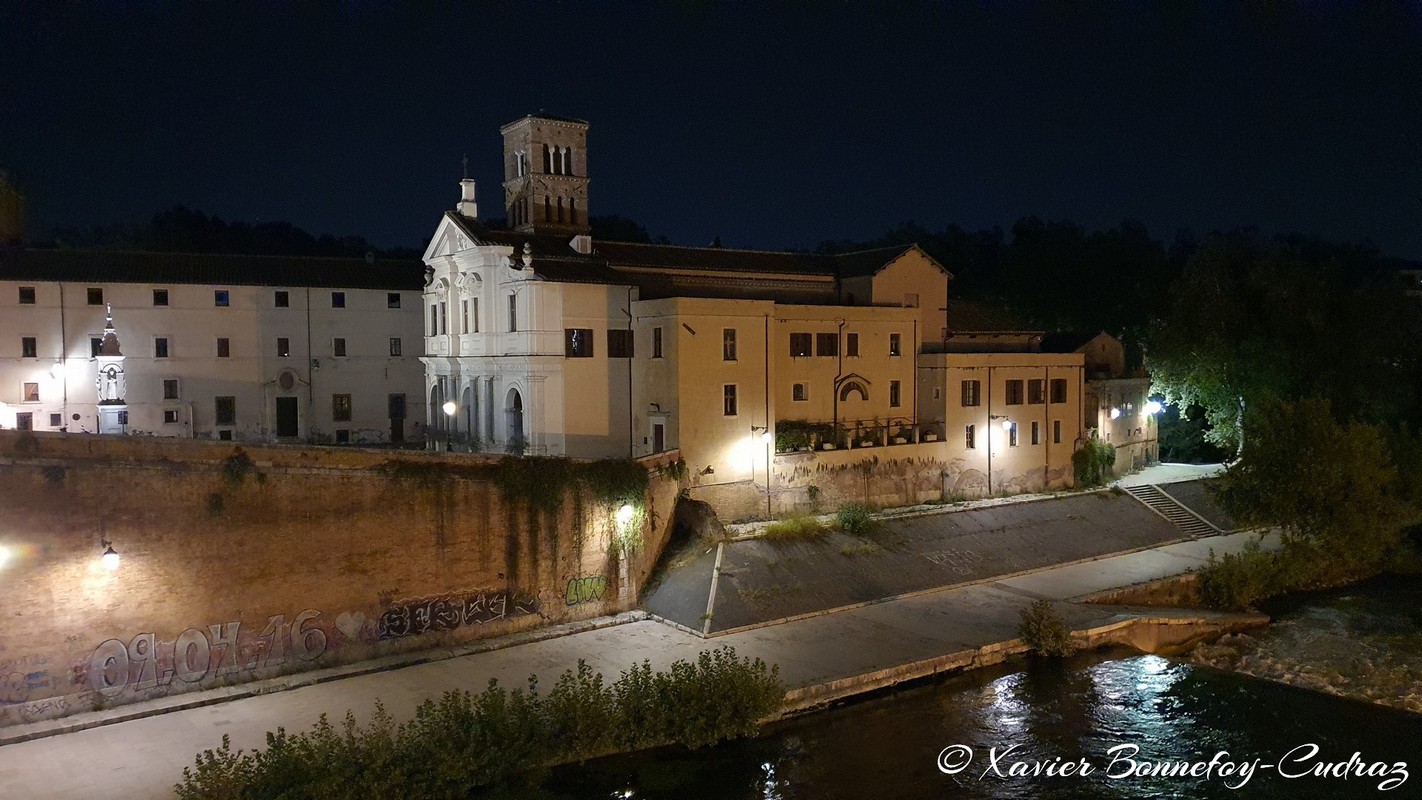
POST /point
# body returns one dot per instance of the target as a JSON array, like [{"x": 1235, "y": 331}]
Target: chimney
[{"x": 467, "y": 206}]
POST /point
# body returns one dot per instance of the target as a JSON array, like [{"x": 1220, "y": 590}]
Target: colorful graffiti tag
[{"x": 585, "y": 590}]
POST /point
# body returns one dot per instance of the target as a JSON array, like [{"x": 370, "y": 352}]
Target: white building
[{"x": 213, "y": 346}]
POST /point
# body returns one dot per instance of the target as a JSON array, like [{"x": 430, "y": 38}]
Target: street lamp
[
  {"x": 449, "y": 410},
  {"x": 765, "y": 436},
  {"x": 1007, "y": 428},
  {"x": 110, "y": 558}
]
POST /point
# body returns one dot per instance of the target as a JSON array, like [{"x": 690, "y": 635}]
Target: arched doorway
[
  {"x": 435, "y": 418},
  {"x": 513, "y": 411}
]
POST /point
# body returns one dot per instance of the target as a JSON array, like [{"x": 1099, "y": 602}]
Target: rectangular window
[
  {"x": 1059, "y": 390},
  {"x": 282, "y": 299},
  {"x": 894, "y": 394},
  {"x": 25, "y": 421},
  {"x": 657, "y": 342},
  {"x": 971, "y": 437},
  {"x": 1035, "y": 395},
  {"x": 29, "y": 347},
  {"x": 338, "y": 347},
  {"x": 27, "y": 295},
  {"x": 220, "y": 298},
  {"x": 94, "y": 344},
  {"x": 338, "y": 299},
  {"x": 160, "y": 297},
  {"x": 395, "y": 347},
  {"x": 851, "y": 345},
  {"x": 443, "y": 318},
  {"x": 1056, "y": 431},
  {"x": 31, "y": 393},
  {"x": 1014, "y": 393},
  {"x": 224, "y": 348},
  {"x": 340, "y": 408},
  {"x": 434, "y": 320},
  {"x": 910, "y": 300},
  {"x": 728, "y": 344},
  {"x": 513, "y": 313},
  {"x": 800, "y": 345},
  {"x": 826, "y": 344},
  {"x": 1036, "y": 432},
  {"x": 577, "y": 342},
  {"x": 1012, "y": 434},
  {"x": 894, "y": 347},
  {"x": 728, "y": 400},
  {"x": 226, "y": 408},
  {"x": 170, "y": 388},
  {"x": 343, "y": 436},
  {"x": 283, "y": 348},
  {"x": 392, "y": 299},
  {"x": 160, "y": 347},
  {"x": 395, "y": 406},
  {"x": 96, "y": 296},
  {"x": 55, "y": 420},
  {"x": 170, "y": 416},
  {"x": 474, "y": 315},
  {"x": 464, "y": 316},
  {"x": 972, "y": 393},
  {"x": 619, "y": 343},
  {"x": 799, "y": 392}
]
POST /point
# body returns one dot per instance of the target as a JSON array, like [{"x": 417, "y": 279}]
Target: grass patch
[
  {"x": 798, "y": 527},
  {"x": 860, "y": 548}
]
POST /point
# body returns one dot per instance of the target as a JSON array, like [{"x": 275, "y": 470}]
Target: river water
[{"x": 1121, "y": 714}]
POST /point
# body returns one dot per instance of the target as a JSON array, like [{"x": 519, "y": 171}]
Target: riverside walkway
[{"x": 139, "y": 751}]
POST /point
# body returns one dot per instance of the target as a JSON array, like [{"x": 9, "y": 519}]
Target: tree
[{"x": 1324, "y": 483}]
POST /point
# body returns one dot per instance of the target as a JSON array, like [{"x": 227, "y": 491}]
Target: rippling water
[{"x": 1173, "y": 711}]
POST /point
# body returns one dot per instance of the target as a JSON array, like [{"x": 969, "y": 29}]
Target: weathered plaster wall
[{"x": 311, "y": 557}]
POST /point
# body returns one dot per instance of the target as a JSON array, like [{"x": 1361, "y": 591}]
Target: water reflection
[{"x": 1045, "y": 716}]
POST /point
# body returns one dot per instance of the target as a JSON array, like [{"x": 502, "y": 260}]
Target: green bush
[
  {"x": 1238, "y": 581},
  {"x": 1092, "y": 464},
  {"x": 855, "y": 518},
  {"x": 466, "y": 740},
  {"x": 1043, "y": 630}
]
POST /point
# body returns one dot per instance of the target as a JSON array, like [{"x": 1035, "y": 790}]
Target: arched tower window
[
  {"x": 573, "y": 210},
  {"x": 547, "y": 160},
  {"x": 567, "y": 161},
  {"x": 560, "y": 209},
  {"x": 547, "y": 209}
]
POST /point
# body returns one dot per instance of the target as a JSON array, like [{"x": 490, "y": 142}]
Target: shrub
[
  {"x": 1043, "y": 630},
  {"x": 466, "y": 740},
  {"x": 1091, "y": 465},
  {"x": 1238, "y": 581},
  {"x": 855, "y": 518}
]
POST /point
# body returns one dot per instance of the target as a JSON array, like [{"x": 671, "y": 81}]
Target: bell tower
[{"x": 546, "y": 175}]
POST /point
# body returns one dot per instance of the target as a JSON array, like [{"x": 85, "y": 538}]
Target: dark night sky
[{"x": 772, "y": 127}]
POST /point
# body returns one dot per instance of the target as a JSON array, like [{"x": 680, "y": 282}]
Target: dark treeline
[{"x": 183, "y": 230}]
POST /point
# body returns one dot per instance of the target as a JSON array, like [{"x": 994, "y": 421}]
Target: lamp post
[
  {"x": 767, "y": 438},
  {"x": 1006, "y": 426},
  {"x": 449, "y": 411}
]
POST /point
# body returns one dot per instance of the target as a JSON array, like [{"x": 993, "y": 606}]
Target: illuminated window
[
  {"x": 170, "y": 416},
  {"x": 1012, "y": 434},
  {"x": 728, "y": 400},
  {"x": 728, "y": 344},
  {"x": 577, "y": 342},
  {"x": 971, "y": 437},
  {"x": 31, "y": 393}
]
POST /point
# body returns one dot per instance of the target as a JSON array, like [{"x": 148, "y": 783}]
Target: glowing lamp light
[
  {"x": 1152, "y": 407},
  {"x": 766, "y": 437},
  {"x": 1007, "y": 425},
  {"x": 1115, "y": 413},
  {"x": 624, "y": 514},
  {"x": 110, "y": 558},
  {"x": 449, "y": 408},
  {"x": 4, "y": 555}
]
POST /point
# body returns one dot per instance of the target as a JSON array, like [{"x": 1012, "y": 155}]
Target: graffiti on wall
[
  {"x": 447, "y": 612},
  {"x": 585, "y": 589},
  {"x": 145, "y": 663}
]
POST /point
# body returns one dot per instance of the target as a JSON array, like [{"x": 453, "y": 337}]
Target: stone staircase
[{"x": 1166, "y": 506}]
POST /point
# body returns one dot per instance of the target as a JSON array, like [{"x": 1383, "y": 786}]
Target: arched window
[
  {"x": 573, "y": 210},
  {"x": 547, "y": 209},
  {"x": 547, "y": 160},
  {"x": 567, "y": 161},
  {"x": 851, "y": 387},
  {"x": 560, "y": 209}
]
